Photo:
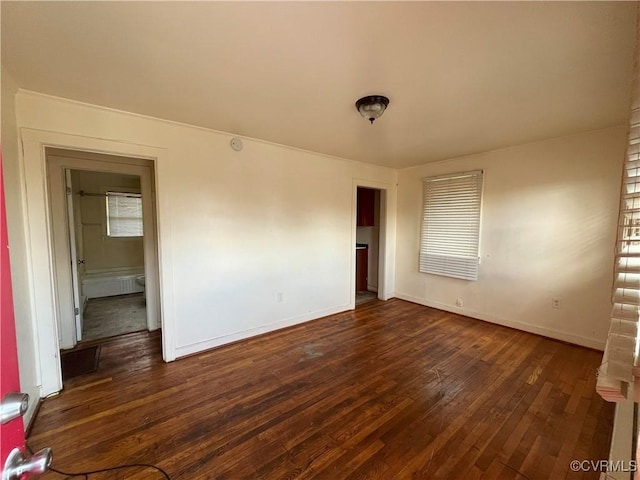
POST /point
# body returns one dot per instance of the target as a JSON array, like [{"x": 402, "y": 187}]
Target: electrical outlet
[
  {"x": 556, "y": 302},
  {"x": 459, "y": 302},
  {"x": 280, "y": 297}
]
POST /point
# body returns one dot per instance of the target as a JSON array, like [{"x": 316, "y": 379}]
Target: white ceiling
[{"x": 462, "y": 77}]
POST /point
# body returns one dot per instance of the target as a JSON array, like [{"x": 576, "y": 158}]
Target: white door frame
[
  {"x": 39, "y": 248},
  {"x": 73, "y": 254},
  {"x": 59, "y": 162},
  {"x": 387, "y": 239}
]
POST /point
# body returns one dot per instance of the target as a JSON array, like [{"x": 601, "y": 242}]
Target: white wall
[
  {"x": 548, "y": 230},
  {"x": 235, "y": 228},
  {"x": 27, "y": 358},
  {"x": 100, "y": 252},
  {"x": 369, "y": 235}
]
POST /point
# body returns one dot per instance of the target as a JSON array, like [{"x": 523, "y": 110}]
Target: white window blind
[
  {"x": 451, "y": 225},
  {"x": 124, "y": 214},
  {"x": 620, "y": 369}
]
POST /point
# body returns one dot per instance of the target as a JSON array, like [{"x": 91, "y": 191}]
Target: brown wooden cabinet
[
  {"x": 362, "y": 269},
  {"x": 366, "y": 207}
]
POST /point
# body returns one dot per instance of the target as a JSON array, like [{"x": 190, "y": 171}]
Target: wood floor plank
[{"x": 392, "y": 390}]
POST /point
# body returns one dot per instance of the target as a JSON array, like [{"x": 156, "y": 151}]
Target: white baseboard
[
  {"x": 107, "y": 285},
  {"x": 544, "y": 331},
  {"x": 34, "y": 403},
  {"x": 203, "y": 345},
  {"x": 372, "y": 288}
]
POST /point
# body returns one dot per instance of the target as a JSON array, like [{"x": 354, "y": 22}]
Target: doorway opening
[
  {"x": 368, "y": 229},
  {"x": 104, "y": 242},
  {"x": 106, "y": 232}
]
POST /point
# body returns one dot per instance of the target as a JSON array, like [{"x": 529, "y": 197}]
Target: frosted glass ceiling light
[{"x": 372, "y": 107}]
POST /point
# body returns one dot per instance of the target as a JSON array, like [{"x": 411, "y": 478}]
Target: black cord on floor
[{"x": 85, "y": 475}]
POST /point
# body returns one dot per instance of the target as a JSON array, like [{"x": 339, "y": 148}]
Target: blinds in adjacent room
[
  {"x": 124, "y": 214},
  {"x": 451, "y": 225},
  {"x": 620, "y": 362}
]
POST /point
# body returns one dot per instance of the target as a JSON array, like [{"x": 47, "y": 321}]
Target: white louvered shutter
[{"x": 621, "y": 362}]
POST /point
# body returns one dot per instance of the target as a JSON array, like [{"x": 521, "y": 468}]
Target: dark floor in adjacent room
[
  {"x": 364, "y": 297},
  {"x": 109, "y": 316}
]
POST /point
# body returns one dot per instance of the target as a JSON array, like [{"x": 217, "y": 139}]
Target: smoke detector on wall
[{"x": 236, "y": 144}]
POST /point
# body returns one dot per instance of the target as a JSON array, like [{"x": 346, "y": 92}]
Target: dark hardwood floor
[{"x": 390, "y": 391}]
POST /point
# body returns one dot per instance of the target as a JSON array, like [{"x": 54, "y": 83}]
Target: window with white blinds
[
  {"x": 450, "y": 236},
  {"x": 620, "y": 369},
  {"x": 124, "y": 214}
]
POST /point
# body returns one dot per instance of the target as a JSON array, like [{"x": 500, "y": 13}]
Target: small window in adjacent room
[
  {"x": 124, "y": 214},
  {"x": 449, "y": 243}
]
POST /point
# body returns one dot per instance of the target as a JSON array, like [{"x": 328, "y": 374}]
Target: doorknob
[
  {"x": 13, "y": 405},
  {"x": 17, "y": 466}
]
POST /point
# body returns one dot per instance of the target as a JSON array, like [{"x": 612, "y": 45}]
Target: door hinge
[
  {"x": 68, "y": 189},
  {"x": 76, "y": 311}
]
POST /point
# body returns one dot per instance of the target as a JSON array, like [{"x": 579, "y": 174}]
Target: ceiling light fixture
[{"x": 372, "y": 107}]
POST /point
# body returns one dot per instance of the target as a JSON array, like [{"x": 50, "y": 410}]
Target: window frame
[
  {"x": 457, "y": 203},
  {"x": 125, "y": 192}
]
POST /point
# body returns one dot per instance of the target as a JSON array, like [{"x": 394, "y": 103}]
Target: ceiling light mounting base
[{"x": 372, "y": 106}]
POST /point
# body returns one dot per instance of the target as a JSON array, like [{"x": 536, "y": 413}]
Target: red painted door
[
  {"x": 11, "y": 433},
  {"x": 12, "y": 441}
]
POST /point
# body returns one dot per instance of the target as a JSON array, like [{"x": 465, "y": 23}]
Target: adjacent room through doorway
[
  {"x": 108, "y": 233},
  {"x": 367, "y": 244},
  {"x": 104, "y": 230}
]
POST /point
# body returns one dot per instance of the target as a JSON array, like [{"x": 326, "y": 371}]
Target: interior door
[
  {"x": 77, "y": 307},
  {"x": 13, "y": 463}
]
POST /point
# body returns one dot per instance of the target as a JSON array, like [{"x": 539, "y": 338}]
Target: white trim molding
[
  {"x": 525, "y": 327},
  {"x": 199, "y": 347},
  {"x": 38, "y": 234},
  {"x": 387, "y": 245}
]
